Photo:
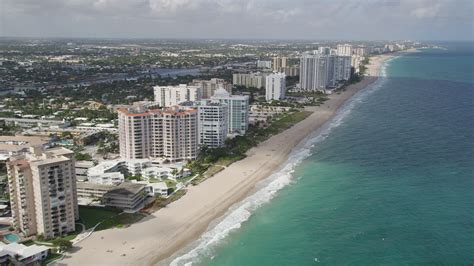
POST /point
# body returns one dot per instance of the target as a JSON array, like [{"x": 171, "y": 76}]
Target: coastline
[{"x": 162, "y": 234}]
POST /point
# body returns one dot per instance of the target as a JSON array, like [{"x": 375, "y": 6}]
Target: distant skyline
[{"x": 240, "y": 19}]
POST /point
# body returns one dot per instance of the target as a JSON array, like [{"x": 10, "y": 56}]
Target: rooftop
[{"x": 18, "y": 143}]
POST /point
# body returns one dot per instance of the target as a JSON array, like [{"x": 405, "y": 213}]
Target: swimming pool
[{"x": 11, "y": 238}]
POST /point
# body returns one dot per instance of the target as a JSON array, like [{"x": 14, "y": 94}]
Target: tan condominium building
[
  {"x": 249, "y": 80},
  {"x": 210, "y": 86},
  {"x": 43, "y": 197},
  {"x": 170, "y": 133},
  {"x": 279, "y": 63}
]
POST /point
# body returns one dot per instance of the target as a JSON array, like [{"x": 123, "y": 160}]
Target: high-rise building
[
  {"x": 212, "y": 123},
  {"x": 210, "y": 86},
  {"x": 251, "y": 80},
  {"x": 319, "y": 72},
  {"x": 179, "y": 134},
  {"x": 314, "y": 70},
  {"x": 140, "y": 133},
  {"x": 344, "y": 49},
  {"x": 153, "y": 133},
  {"x": 43, "y": 193},
  {"x": 275, "y": 86},
  {"x": 167, "y": 96},
  {"x": 279, "y": 63},
  {"x": 237, "y": 113},
  {"x": 342, "y": 69}
]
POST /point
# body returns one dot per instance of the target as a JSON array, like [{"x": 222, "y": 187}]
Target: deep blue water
[{"x": 393, "y": 184}]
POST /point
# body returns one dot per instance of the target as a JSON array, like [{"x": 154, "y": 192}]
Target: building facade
[
  {"x": 344, "y": 49},
  {"x": 279, "y": 63},
  {"x": 212, "y": 124},
  {"x": 318, "y": 72},
  {"x": 166, "y": 96},
  {"x": 237, "y": 113},
  {"x": 179, "y": 134},
  {"x": 275, "y": 86},
  {"x": 43, "y": 194},
  {"x": 154, "y": 133},
  {"x": 208, "y": 87},
  {"x": 251, "y": 80}
]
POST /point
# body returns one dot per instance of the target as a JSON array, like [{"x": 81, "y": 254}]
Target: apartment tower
[{"x": 43, "y": 195}]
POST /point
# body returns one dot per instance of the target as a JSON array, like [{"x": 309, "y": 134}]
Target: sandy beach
[{"x": 160, "y": 235}]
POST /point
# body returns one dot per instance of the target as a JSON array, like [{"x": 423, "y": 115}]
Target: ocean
[{"x": 389, "y": 181}]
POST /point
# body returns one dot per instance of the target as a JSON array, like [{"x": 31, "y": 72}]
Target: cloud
[{"x": 313, "y": 19}]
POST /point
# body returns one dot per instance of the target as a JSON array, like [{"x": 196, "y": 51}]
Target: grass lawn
[
  {"x": 226, "y": 161},
  {"x": 213, "y": 170},
  {"x": 162, "y": 202},
  {"x": 121, "y": 220},
  {"x": 90, "y": 216}
]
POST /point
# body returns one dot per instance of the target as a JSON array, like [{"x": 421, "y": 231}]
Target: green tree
[{"x": 62, "y": 244}]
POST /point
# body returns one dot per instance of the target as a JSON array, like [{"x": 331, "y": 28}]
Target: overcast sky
[{"x": 250, "y": 19}]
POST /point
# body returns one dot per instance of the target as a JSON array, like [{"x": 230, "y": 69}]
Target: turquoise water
[
  {"x": 390, "y": 182},
  {"x": 11, "y": 238}
]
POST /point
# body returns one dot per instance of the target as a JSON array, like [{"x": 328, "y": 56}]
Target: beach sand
[{"x": 160, "y": 235}]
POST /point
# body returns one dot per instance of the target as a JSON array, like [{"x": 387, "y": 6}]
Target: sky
[{"x": 240, "y": 19}]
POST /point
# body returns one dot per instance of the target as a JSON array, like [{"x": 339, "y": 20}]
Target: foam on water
[{"x": 267, "y": 189}]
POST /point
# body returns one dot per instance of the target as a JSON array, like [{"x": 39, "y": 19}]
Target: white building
[
  {"x": 344, "y": 49},
  {"x": 319, "y": 72},
  {"x": 212, "y": 123},
  {"x": 275, "y": 86},
  {"x": 167, "y": 96},
  {"x": 43, "y": 195},
  {"x": 238, "y": 111},
  {"x": 264, "y": 64},
  {"x": 19, "y": 254},
  {"x": 111, "y": 172}
]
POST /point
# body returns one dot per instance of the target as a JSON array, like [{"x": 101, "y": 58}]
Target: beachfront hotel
[
  {"x": 167, "y": 96},
  {"x": 237, "y": 113},
  {"x": 42, "y": 185},
  {"x": 319, "y": 72},
  {"x": 275, "y": 86},
  {"x": 208, "y": 87},
  {"x": 170, "y": 133},
  {"x": 212, "y": 123}
]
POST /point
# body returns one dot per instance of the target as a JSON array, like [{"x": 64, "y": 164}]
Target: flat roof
[
  {"x": 18, "y": 143},
  {"x": 126, "y": 188}
]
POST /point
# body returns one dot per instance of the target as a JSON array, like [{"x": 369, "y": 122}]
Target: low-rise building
[
  {"x": 125, "y": 196},
  {"x": 82, "y": 168},
  {"x": 16, "y": 145},
  {"x": 19, "y": 254}
]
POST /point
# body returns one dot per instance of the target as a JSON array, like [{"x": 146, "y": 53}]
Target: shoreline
[{"x": 162, "y": 234}]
